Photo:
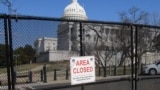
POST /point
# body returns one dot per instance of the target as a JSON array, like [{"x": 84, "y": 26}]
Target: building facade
[
  {"x": 45, "y": 44},
  {"x": 68, "y": 32}
]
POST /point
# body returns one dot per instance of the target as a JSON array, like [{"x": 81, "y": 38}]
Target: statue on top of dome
[{"x": 74, "y": 0}]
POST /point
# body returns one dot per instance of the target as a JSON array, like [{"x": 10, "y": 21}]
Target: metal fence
[{"x": 119, "y": 48}]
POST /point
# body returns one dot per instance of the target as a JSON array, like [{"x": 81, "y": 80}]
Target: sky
[{"x": 103, "y": 10}]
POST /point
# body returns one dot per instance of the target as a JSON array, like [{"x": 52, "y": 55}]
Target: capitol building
[
  {"x": 62, "y": 48},
  {"x": 67, "y": 43}
]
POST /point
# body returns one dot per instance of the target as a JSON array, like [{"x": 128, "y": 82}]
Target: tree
[
  {"x": 98, "y": 42},
  {"x": 3, "y": 61},
  {"x": 155, "y": 19},
  {"x": 145, "y": 34},
  {"x": 9, "y": 5},
  {"x": 123, "y": 41},
  {"x": 25, "y": 54},
  {"x": 134, "y": 15}
]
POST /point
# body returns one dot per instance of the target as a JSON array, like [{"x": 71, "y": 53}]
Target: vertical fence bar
[
  {"x": 7, "y": 53},
  {"x": 132, "y": 58},
  {"x": 81, "y": 42},
  {"x": 81, "y": 46},
  {"x": 11, "y": 51},
  {"x": 136, "y": 56}
]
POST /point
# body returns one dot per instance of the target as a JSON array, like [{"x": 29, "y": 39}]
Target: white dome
[{"x": 74, "y": 11}]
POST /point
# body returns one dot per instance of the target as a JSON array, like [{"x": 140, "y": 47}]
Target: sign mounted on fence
[{"x": 82, "y": 69}]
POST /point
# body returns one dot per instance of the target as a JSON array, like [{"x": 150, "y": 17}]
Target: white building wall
[
  {"x": 43, "y": 58},
  {"x": 52, "y": 56},
  {"x": 61, "y": 55},
  {"x": 45, "y": 44}
]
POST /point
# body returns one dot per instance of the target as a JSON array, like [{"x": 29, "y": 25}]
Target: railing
[{"x": 115, "y": 45}]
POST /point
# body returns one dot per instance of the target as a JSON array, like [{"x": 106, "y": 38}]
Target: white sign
[{"x": 82, "y": 69}]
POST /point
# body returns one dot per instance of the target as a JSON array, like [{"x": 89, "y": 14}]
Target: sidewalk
[
  {"x": 60, "y": 81},
  {"x": 31, "y": 86}
]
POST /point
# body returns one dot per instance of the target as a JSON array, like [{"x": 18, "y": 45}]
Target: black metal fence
[{"x": 119, "y": 48}]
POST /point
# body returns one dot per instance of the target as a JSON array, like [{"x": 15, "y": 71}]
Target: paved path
[
  {"x": 39, "y": 67},
  {"x": 57, "y": 82}
]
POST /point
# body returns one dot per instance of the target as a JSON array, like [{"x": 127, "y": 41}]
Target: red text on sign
[
  {"x": 82, "y": 70},
  {"x": 82, "y": 62}
]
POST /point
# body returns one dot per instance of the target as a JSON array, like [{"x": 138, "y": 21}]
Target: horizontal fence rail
[
  {"x": 124, "y": 81},
  {"x": 38, "y": 49}
]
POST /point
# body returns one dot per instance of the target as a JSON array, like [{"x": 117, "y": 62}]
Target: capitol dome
[{"x": 74, "y": 11}]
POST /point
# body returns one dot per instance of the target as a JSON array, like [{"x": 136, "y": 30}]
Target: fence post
[
  {"x": 99, "y": 71},
  {"x": 45, "y": 74},
  {"x": 141, "y": 68},
  {"x": 41, "y": 74},
  {"x": 55, "y": 74},
  {"x": 15, "y": 74},
  {"x": 115, "y": 70},
  {"x": 124, "y": 69},
  {"x": 110, "y": 70},
  {"x": 67, "y": 73},
  {"x": 15, "y": 77},
  {"x": 30, "y": 76},
  {"x": 105, "y": 71},
  {"x": 0, "y": 82}
]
